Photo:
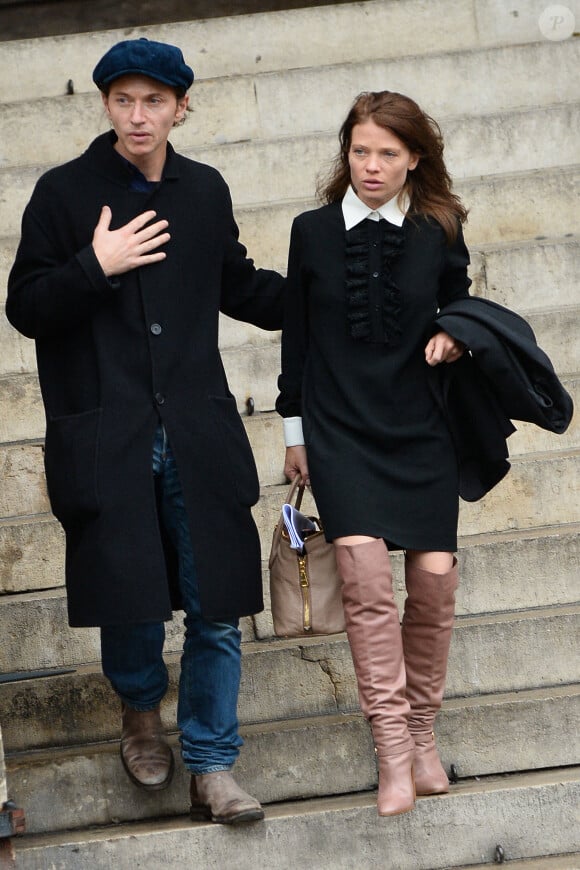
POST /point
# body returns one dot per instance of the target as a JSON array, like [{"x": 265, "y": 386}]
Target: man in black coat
[{"x": 127, "y": 256}]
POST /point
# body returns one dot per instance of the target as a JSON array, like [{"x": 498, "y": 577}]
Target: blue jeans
[{"x": 132, "y": 655}]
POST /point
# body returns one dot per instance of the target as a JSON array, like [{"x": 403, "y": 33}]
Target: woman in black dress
[{"x": 367, "y": 273}]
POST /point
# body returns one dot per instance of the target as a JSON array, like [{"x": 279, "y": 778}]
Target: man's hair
[{"x": 179, "y": 92}]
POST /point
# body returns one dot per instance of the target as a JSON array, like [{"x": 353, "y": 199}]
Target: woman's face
[{"x": 379, "y": 162}]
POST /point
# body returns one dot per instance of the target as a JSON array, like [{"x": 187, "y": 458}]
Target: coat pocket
[
  {"x": 70, "y": 461},
  {"x": 235, "y": 449}
]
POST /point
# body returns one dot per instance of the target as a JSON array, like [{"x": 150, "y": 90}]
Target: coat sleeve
[
  {"x": 295, "y": 329},
  {"x": 249, "y": 294},
  {"x": 52, "y": 289},
  {"x": 454, "y": 282}
]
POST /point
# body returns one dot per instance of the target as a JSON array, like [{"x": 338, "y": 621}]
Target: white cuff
[{"x": 293, "y": 435}]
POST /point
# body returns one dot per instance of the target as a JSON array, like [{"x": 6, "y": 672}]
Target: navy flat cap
[{"x": 157, "y": 60}]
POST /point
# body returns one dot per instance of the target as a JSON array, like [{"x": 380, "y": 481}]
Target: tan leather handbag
[{"x": 305, "y": 589}]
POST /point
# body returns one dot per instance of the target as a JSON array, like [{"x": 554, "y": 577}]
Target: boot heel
[
  {"x": 430, "y": 776},
  {"x": 396, "y": 784}
]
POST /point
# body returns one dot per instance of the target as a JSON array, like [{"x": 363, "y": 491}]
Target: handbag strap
[{"x": 295, "y": 485}]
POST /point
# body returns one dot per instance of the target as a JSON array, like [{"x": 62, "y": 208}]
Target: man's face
[{"x": 142, "y": 112}]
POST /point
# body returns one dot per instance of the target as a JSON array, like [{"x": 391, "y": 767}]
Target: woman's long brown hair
[{"x": 428, "y": 186}]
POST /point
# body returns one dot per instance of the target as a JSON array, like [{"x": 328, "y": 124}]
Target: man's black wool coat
[{"x": 115, "y": 357}]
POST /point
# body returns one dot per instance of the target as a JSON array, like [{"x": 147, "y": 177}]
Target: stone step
[
  {"x": 252, "y": 371},
  {"x": 3, "y": 787},
  {"x": 497, "y": 734},
  {"x": 22, "y": 466},
  {"x": 77, "y": 706},
  {"x": 506, "y": 208},
  {"x": 558, "y": 335},
  {"x": 306, "y": 101},
  {"x": 252, "y": 361},
  {"x": 292, "y": 163},
  {"x": 289, "y": 157},
  {"x": 503, "y": 208},
  {"x": 492, "y": 80},
  {"x": 571, "y": 861},
  {"x": 21, "y": 410},
  {"x": 32, "y": 557},
  {"x": 57, "y": 644},
  {"x": 31, "y": 554},
  {"x": 536, "y": 491},
  {"x": 24, "y": 492},
  {"x": 527, "y": 276},
  {"x": 274, "y": 41},
  {"x": 501, "y": 572},
  {"x": 533, "y": 814},
  {"x": 539, "y": 490},
  {"x": 22, "y": 463},
  {"x": 36, "y": 635},
  {"x": 18, "y": 353},
  {"x": 529, "y": 438}
]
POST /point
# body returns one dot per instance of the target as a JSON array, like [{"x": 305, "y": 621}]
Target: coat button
[
  {"x": 156, "y": 329},
  {"x": 159, "y": 398}
]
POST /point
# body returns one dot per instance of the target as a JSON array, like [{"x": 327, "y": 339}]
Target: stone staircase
[{"x": 271, "y": 91}]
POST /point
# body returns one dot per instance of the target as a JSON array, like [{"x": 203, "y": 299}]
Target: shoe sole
[{"x": 204, "y": 814}]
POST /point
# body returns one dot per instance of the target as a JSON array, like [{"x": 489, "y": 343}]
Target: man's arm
[
  {"x": 253, "y": 295},
  {"x": 51, "y": 290}
]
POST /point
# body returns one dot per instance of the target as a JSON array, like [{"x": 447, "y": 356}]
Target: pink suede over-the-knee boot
[
  {"x": 374, "y": 633},
  {"x": 427, "y": 627}
]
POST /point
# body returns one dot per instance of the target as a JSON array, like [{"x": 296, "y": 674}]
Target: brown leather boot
[
  {"x": 218, "y": 797},
  {"x": 427, "y": 627},
  {"x": 374, "y": 634},
  {"x": 145, "y": 753}
]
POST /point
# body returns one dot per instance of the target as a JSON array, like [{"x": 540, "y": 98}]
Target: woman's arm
[{"x": 454, "y": 282}]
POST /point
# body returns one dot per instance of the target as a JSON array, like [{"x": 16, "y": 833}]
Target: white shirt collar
[{"x": 354, "y": 210}]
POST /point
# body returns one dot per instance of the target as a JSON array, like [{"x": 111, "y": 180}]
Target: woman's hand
[
  {"x": 443, "y": 348},
  {"x": 296, "y": 463}
]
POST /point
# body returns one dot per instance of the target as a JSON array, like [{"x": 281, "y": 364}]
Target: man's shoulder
[
  {"x": 60, "y": 179},
  {"x": 330, "y": 214},
  {"x": 65, "y": 173},
  {"x": 195, "y": 169},
  {"x": 62, "y": 170}
]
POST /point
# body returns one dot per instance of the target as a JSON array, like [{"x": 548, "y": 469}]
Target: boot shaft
[{"x": 374, "y": 634}]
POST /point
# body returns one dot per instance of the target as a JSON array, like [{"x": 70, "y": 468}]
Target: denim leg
[
  {"x": 132, "y": 657},
  {"x": 211, "y": 660}
]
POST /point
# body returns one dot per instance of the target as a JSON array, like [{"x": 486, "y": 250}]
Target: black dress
[{"x": 360, "y": 308}]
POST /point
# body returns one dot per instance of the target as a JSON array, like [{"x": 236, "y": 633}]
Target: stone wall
[{"x": 22, "y": 19}]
